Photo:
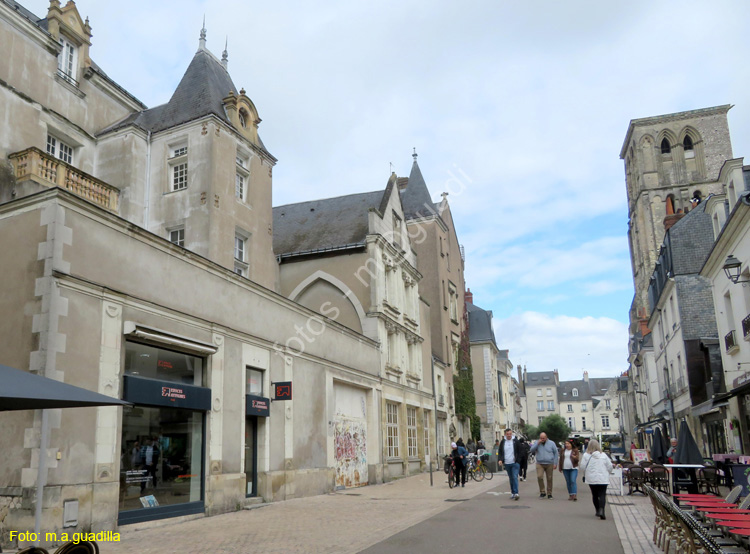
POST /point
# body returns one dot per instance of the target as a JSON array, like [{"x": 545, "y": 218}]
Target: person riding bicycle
[{"x": 460, "y": 458}]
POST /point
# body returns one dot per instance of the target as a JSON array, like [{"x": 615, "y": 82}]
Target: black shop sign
[
  {"x": 257, "y": 405},
  {"x": 155, "y": 392}
]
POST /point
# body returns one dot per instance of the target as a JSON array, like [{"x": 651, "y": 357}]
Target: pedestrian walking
[
  {"x": 460, "y": 458},
  {"x": 546, "y": 462},
  {"x": 471, "y": 446},
  {"x": 596, "y": 467},
  {"x": 510, "y": 453},
  {"x": 568, "y": 465},
  {"x": 523, "y": 463}
]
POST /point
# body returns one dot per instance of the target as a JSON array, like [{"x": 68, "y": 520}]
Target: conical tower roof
[{"x": 415, "y": 197}]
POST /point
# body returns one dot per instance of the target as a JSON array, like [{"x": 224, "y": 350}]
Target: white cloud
[{"x": 571, "y": 345}]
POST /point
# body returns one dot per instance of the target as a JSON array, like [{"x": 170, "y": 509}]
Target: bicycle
[
  {"x": 450, "y": 468},
  {"x": 482, "y": 462},
  {"x": 476, "y": 469}
]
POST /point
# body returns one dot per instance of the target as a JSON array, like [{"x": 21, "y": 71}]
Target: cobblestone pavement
[{"x": 346, "y": 521}]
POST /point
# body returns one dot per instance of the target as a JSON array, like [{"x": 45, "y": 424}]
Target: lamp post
[{"x": 733, "y": 269}]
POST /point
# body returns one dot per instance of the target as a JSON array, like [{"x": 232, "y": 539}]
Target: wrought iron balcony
[
  {"x": 730, "y": 342},
  {"x": 746, "y": 326},
  {"x": 34, "y": 165}
]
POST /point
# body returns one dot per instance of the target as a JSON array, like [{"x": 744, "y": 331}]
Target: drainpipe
[
  {"x": 147, "y": 205},
  {"x": 41, "y": 478},
  {"x": 434, "y": 398}
]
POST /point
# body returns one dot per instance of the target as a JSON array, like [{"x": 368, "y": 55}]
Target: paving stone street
[{"x": 404, "y": 516}]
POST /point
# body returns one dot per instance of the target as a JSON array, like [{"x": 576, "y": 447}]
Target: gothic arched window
[
  {"x": 665, "y": 147},
  {"x": 687, "y": 143}
]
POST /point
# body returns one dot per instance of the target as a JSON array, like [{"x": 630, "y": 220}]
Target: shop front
[{"x": 163, "y": 434}]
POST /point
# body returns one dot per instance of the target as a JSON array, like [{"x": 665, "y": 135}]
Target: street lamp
[{"x": 732, "y": 269}]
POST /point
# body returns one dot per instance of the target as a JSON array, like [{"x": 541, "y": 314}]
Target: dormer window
[
  {"x": 575, "y": 392},
  {"x": 243, "y": 118},
  {"x": 665, "y": 147},
  {"x": 67, "y": 61}
]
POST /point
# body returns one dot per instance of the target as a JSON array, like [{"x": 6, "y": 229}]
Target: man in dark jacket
[
  {"x": 523, "y": 463},
  {"x": 509, "y": 454}
]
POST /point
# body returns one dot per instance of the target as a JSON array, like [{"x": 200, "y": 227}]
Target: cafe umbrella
[
  {"x": 687, "y": 453},
  {"x": 658, "y": 451},
  {"x": 21, "y": 390}
]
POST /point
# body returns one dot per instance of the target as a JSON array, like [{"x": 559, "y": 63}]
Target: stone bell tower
[{"x": 672, "y": 162}]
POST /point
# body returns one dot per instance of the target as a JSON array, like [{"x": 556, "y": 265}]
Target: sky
[{"x": 517, "y": 109}]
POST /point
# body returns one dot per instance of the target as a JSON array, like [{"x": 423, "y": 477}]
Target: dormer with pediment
[
  {"x": 242, "y": 113},
  {"x": 74, "y": 37}
]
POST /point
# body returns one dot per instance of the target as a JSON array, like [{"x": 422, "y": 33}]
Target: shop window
[
  {"x": 162, "y": 457},
  {"x": 150, "y": 362}
]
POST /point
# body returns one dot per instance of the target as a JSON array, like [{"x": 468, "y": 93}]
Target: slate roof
[
  {"x": 415, "y": 196},
  {"x": 597, "y": 386},
  {"x": 201, "y": 92},
  {"x": 480, "y": 324},
  {"x": 539, "y": 378},
  {"x": 565, "y": 391},
  {"x": 324, "y": 224},
  {"x": 40, "y": 22}
]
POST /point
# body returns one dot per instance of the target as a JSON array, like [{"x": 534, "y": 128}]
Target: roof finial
[
  {"x": 225, "y": 54},
  {"x": 202, "y": 41},
  {"x": 415, "y": 155}
]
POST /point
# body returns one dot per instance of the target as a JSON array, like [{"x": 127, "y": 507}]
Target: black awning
[
  {"x": 650, "y": 423},
  {"x": 21, "y": 390},
  {"x": 742, "y": 389}
]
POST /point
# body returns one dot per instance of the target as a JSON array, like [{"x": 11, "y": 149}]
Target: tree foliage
[
  {"x": 463, "y": 382},
  {"x": 555, "y": 427},
  {"x": 530, "y": 432}
]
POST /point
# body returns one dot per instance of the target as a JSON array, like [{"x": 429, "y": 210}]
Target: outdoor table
[
  {"x": 694, "y": 479},
  {"x": 737, "y": 517}
]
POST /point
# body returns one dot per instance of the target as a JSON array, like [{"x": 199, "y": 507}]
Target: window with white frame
[
  {"x": 551, "y": 405},
  {"x": 605, "y": 421},
  {"x": 572, "y": 423},
  {"x": 411, "y": 432},
  {"x": 241, "y": 178},
  {"x": 540, "y": 406},
  {"x": 575, "y": 392},
  {"x": 453, "y": 301},
  {"x": 178, "y": 167},
  {"x": 60, "y": 150},
  {"x": 67, "y": 60},
  {"x": 584, "y": 408},
  {"x": 539, "y": 392},
  {"x": 583, "y": 423},
  {"x": 441, "y": 446},
  {"x": 177, "y": 236},
  {"x": 570, "y": 407},
  {"x": 549, "y": 392},
  {"x": 426, "y": 427},
  {"x": 392, "y": 429},
  {"x": 607, "y": 403},
  {"x": 240, "y": 254},
  {"x": 541, "y": 418}
]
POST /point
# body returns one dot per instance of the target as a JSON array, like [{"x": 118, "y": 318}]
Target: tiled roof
[{"x": 480, "y": 324}]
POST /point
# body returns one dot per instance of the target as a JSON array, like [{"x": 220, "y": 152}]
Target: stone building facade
[{"x": 139, "y": 261}]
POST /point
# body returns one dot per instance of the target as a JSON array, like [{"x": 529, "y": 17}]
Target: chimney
[
  {"x": 671, "y": 219},
  {"x": 401, "y": 182},
  {"x": 469, "y": 296},
  {"x": 520, "y": 375},
  {"x": 585, "y": 376}
]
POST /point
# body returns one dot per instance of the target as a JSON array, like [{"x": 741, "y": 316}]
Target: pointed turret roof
[
  {"x": 201, "y": 92},
  {"x": 415, "y": 196}
]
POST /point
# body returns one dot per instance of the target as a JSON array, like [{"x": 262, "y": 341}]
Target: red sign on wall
[{"x": 282, "y": 391}]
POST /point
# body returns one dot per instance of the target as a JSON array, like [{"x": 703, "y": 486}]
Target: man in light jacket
[{"x": 546, "y": 463}]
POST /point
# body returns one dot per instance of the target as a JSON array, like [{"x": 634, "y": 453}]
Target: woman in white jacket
[{"x": 596, "y": 467}]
